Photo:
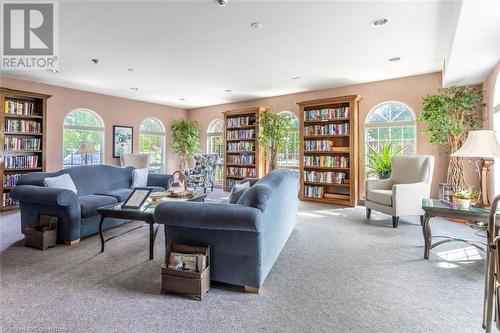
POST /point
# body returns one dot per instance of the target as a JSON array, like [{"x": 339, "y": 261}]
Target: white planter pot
[{"x": 463, "y": 203}]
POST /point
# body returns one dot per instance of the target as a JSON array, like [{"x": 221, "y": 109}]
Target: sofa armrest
[
  {"x": 378, "y": 184},
  {"x": 407, "y": 198},
  {"x": 160, "y": 179},
  {"x": 44, "y": 195},
  {"x": 200, "y": 215}
]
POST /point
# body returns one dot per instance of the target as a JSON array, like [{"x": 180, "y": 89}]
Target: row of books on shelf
[
  {"x": 240, "y": 146},
  {"x": 331, "y": 177},
  {"x": 7, "y": 201},
  {"x": 328, "y": 129},
  {"x": 337, "y": 161},
  {"x": 24, "y": 126},
  {"x": 240, "y": 172},
  {"x": 318, "y": 145},
  {"x": 20, "y": 108},
  {"x": 241, "y": 134},
  {"x": 10, "y": 180},
  {"x": 241, "y": 159},
  {"x": 22, "y": 143},
  {"x": 188, "y": 262},
  {"x": 231, "y": 182},
  {"x": 327, "y": 113},
  {"x": 21, "y": 161},
  {"x": 314, "y": 191},
  {"x": 241, "y": 121}
]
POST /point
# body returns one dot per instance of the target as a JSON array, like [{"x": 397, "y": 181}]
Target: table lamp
[
  {"x": 86, "y": 148},
  {"x": 484, "y": 146}
]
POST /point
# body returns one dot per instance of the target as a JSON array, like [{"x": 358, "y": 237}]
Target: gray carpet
[{"x": 337, "y": 273}]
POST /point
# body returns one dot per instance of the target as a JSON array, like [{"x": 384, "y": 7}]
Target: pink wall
[
  {"x": 408, "y": 90},
  {"x": 489, "y": 92},
  {"x": 113, "y": 111}
]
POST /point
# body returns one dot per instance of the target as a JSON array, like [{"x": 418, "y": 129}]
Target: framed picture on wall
[{"x": 123, "y": 138}]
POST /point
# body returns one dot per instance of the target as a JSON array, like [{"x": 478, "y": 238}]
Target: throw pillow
[
  {"x": 63, "y": 181},
  {"x": 140, "y": 177},
  {"x": 237, "y": 191}
]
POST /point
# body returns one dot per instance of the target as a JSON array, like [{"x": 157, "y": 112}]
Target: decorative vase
[
  {"x": 384, "y": 175},
  {"x": 463, "y": 203}
]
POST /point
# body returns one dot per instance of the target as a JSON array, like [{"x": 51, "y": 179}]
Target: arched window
[
  {"x": 394, "y": 123},
  {"x": 288, "y": 157},
  {"x": 152, "y": 141},
  {"x": 215, "y": 145},
  {"x": 83, "y": 138}
]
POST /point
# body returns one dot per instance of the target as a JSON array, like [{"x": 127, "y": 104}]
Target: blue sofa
[
  {"x": 245, "y": 238},
  {"x": 97, "y": 185}
]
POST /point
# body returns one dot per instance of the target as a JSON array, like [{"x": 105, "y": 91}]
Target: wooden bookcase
[
  {"x": 23, "y": 118},
  {"x": 242, "y": 156},
  {"x": 329, "y": 150}
]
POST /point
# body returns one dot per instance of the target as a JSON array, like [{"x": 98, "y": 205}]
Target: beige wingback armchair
[
  {"x": 140, "y": 160},
  {"x": 402, "y": 194}
]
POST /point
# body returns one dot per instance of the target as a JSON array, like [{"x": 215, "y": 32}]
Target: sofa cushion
[
  {"x": 120, "y": 194},
  {"x": 237, "y": 191},
  {"x": 140, "y": 177},
  {"x": 382, "y": 197},
  {"x": 63, "y": 181},
  {"x": 89, "y": 203}
]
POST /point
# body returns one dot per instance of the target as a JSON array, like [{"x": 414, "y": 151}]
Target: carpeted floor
[{"x": 337, "y": 273}]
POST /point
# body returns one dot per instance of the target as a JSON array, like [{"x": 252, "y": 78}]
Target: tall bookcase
[
  {"x": 329, "y": 150},
  {"x": 22, "y": 139},
  {"x": 242, "y": 156}
]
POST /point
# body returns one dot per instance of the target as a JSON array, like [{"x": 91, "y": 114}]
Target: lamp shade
[{"x": 479, "y": 144}]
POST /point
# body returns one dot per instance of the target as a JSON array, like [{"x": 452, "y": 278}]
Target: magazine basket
[
  {"x": 42, "y": 239},
  {"x": 192, "y": 284}
]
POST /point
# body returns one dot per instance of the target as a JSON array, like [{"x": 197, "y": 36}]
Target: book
[{"x": 195, "y": 262}]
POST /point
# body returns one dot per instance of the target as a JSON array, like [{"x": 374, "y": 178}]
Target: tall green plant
[
  {"x": 273, "y": 132},
  {"x": 379, "y": 162},
  {"x": 185, "y": 140},
  {"x": 449, "y": 115}
]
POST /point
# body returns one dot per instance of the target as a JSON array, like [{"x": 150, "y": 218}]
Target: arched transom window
[
  {"x": 152, "y": 141},
  {"x": 83, "y": 138},
  {"x": 215, "y": 145}
]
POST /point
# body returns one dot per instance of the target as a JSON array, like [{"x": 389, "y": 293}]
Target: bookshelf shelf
[
  {"x": 329, "y": 149},
  {"x": 249, "y": 162},
  {"x": 20, "y": 111}
]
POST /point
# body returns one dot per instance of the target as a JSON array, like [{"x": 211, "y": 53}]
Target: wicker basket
[
  {"x": 42, "y": 239},
  {"x": 186, "y": 283}
]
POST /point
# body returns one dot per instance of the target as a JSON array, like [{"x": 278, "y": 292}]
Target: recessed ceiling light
[
  {"x": 228, "y": 90},
  {"x": 295, "y": 77},
  {"x": 182, "y": 99},
  {"x": 380, "y": 22},
  {"x": 130, "y": 69},
  {"x": 53, "y": 70},
  {"x": 95, "y": 61},
  {"x": 394, "y": 59},
  {"x": 134, "y": 88},
  {"x": 256, "y": 25}
]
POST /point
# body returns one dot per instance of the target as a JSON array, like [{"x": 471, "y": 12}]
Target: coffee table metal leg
[
  {"x": 427, "y": 235},
  {"x": 151, "y": 240},
  {"x": 101, "y": 234}
]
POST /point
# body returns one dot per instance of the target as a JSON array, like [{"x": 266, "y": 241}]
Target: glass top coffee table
[
  {"x": 434, "y": 208},
  {"x": 145, "y": 213}
]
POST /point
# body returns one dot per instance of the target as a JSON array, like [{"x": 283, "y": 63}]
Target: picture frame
[
  {"x": 137, "y": 198},
  {"x": 123, "y": 140}
]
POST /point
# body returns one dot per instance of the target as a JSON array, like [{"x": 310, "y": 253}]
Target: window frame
[
  {"x": 102, "y": 131},
  {"x": 162, "y": 134},
  {"x": 210, "y": 133},
  {"x": 295, "y": 129}
]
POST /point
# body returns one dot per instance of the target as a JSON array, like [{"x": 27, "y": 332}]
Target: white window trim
[
  {"x": 289, "y": 166},
  {"x": 209, "y": 135},
  {"x": 86, "y": 128},
  {"x": 162, "y": 134}
]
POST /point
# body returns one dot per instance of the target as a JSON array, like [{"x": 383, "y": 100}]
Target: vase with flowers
[{"x": 463, "y": 197}]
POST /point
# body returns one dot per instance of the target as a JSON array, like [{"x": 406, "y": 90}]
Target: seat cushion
[
  {"x": 120, "y": 194},
  {"x": 382, "y": 197},
  {"x": 90, "y": 203}
]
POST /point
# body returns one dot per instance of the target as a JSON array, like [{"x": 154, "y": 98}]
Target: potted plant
[
  {"x": 273, "y": 132},
  {"x": 449, "y": 115},
  {"x": 463, "y": 197},
  {"x": 185, "y": 140},
  {"x": 379, "y": 162}
]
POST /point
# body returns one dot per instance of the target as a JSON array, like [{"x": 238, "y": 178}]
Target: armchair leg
[
  {"x": 204, "y": 190},
  {"x": 368, "y": 212},
  {"x": 422, "y": 220},
  {"x": 395, "y": 221},
  {"x": 212, "y": 188}
]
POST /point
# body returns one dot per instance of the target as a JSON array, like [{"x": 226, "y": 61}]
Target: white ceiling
[{"x": 197, "y": 49}]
